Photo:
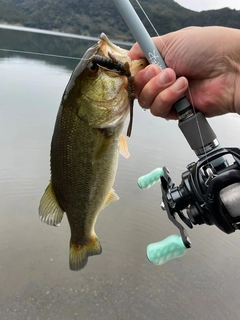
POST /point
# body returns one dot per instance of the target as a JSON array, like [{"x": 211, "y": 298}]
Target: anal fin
[
  {"x": 111, "y": 197},
  {"x": 50, "y": 211}
]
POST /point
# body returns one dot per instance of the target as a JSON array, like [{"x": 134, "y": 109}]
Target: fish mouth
[
  {"x": 110, "y": 44},
  {"x": 106, "y": 47}
]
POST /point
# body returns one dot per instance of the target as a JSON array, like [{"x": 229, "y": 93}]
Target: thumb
[{"x": 161, "y": 42}]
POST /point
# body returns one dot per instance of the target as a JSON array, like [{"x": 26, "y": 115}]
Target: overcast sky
[{"x": 199, "y": 5}]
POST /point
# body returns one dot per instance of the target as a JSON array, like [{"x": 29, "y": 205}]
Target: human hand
[{"x": 203, "y": 63}]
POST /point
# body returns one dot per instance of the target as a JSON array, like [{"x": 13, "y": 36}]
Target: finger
[
  {"x": 136, "y": 52},
  {"x": 145, "y": 75},
  {"x": 154, "y": 86},
  {"x": 162, "y": 104}
]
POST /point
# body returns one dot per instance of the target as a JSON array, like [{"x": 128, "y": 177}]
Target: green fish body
[{"x": 87, "y": 138}]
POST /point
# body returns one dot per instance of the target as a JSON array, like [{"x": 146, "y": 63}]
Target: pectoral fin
[
  {"x": 123, "y": 147},
  {"x": 111, "y": 197},
  {"x": 50, "y": 211},
  {"x": 99, "y": 148},
  {"x": 102, "y": 143}
]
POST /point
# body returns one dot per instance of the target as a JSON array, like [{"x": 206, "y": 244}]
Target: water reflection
[
  {"x": 119, "y": 284},
  {"x": 48, "y": 46}
]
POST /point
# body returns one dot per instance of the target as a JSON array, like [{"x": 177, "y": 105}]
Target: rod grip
[{"x": 191, "y": 131}]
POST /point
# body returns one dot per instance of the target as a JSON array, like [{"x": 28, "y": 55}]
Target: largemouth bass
[{"x": 87, "y": 138}]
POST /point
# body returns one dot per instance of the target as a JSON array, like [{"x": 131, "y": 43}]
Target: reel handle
[
  {"x": 171, "y": 247},
  {"x": 148, "y": 180}
]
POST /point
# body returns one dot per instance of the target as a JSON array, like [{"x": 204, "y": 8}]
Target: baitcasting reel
[
  {"x": 209, "y": 193},
  {"x": 210, "y": 188}
]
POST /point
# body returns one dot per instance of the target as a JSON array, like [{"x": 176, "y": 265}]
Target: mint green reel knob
[
  {"x": 160, "y": 252},
  {"x": 150, "y": 179}
]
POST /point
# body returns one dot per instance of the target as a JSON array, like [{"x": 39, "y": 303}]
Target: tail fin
[{"x": 79, "y": 254}]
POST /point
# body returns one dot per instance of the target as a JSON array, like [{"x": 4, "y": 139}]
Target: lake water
[{"x": 120, "y": 284}]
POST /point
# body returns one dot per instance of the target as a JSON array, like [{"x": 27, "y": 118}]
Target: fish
[{"x": 87, "y": 139}]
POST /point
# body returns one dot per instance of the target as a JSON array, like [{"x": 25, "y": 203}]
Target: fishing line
[
  {"x": 78, "y": 58},
  {"x": 40, "y": 54},
  {"x": 189, "y": 91},
  {"x": 147, "y": 17}
]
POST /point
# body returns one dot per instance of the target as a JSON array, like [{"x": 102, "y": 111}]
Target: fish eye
[{"x": 93, "y": 67}]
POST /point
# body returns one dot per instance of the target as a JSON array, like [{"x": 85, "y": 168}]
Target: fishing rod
[{"x": 209, "y": 191}]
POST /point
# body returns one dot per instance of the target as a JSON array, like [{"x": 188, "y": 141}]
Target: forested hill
[{"x": 90, "y": 17}]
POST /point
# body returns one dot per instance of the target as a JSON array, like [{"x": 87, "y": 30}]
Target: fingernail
[
  {"x": 179, "y": 84},
  {"x": 165, "y": 77}
]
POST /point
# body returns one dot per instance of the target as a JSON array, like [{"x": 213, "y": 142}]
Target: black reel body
[{"x": 209, "y": 191}]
